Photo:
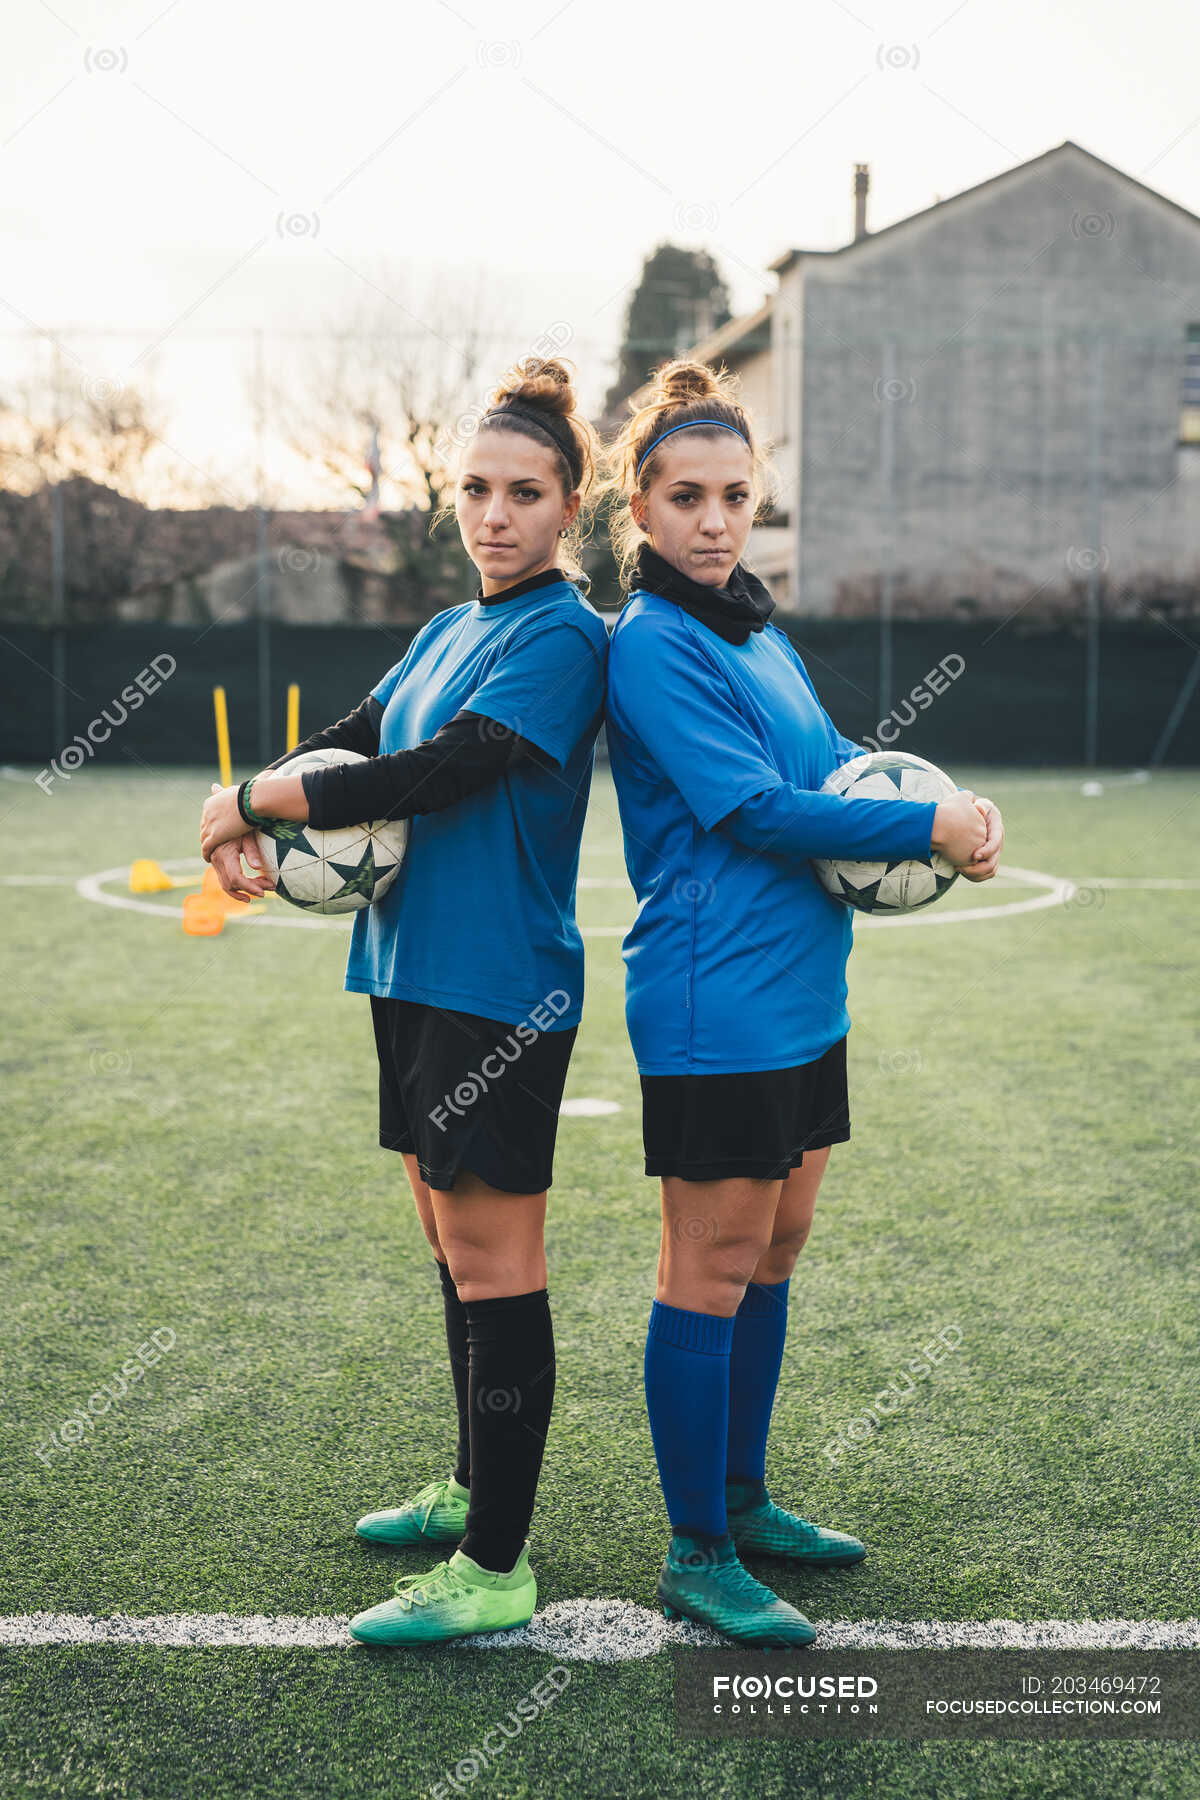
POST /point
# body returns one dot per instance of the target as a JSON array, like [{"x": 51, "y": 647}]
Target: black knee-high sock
[
  {"x": 511, "y": 1394},
  {"x": 460, "y": 1362}
]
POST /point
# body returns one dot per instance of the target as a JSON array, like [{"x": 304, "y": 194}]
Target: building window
[{"x": 1189, "y": 392}]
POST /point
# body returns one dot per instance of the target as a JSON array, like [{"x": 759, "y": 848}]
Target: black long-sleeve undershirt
[{"x": 468, "y": 753}]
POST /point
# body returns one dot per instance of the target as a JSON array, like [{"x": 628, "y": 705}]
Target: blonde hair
[
  {"x": 546, "y": 385},
  {"x": 680, "y": 392}
]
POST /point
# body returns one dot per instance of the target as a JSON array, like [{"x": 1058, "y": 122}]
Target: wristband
[
  {"x": 285, "y": 831},
  {"x": 245, "y": 808}
]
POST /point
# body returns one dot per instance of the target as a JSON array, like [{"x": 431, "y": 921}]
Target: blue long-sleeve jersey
[{"x": 737, "y": 958}]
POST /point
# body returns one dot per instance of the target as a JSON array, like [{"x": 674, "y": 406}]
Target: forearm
[
  {"x": 279, "y": 797},
  {"x": 466, "y": 755},
  {"x": 791, "y": 821}
]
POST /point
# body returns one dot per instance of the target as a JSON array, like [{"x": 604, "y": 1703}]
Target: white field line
[
  {"x": 91, "y": 887},
  {"x": 599, "y": 1631},
  {"x": 1057, "y": 891},
  {"x": 1122, "y": 881}
]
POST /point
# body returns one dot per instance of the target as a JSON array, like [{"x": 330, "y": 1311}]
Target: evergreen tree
[{"x": 679, "y": 300}]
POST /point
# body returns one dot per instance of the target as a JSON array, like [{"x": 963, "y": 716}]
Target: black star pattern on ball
[
  {"x": 287, "y": 894},
  {"x": 289, "y": 832},
  {"x": 357, "y": 878},
  {"x": 864, "y": 897}
]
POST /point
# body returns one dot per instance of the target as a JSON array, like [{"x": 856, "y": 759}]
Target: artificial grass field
[{"x": 190, "y": 1130}]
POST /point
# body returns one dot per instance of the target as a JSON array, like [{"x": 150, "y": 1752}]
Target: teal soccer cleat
[
  {"x": 757, "y": 1525},
  {"x": 711, "y": 1586},
  {"x": 456, "y": 1599},
  {"x": 437, "y": 1515}
]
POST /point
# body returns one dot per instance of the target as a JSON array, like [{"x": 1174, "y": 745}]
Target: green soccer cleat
[
  {"x": 759, "y": 1526},
  {"x": 437, "y": 1515},
  {"x": 453, "y": 1600},
  {"x": 711, "y": 1586}
]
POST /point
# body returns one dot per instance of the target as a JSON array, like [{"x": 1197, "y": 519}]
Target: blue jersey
[
  {"x": 481, "y": 917},
  {"x": 737, "y": 957}
]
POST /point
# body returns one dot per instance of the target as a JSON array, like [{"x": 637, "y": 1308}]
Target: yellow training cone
[{"x": 146, "y": 877}]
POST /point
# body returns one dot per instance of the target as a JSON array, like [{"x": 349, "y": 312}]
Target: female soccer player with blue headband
[
  {"x": 483, "y": 734},
  {"x": 735, "y": 974}
]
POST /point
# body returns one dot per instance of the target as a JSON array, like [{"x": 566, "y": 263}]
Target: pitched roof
[
  {"x": 751, "y": 332},
  {"x": 785, "y": 261}
]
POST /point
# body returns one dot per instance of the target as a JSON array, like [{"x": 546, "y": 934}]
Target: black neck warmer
[
  {"x": 743, "y": 605},
  {"x": 547, "y": 578}
]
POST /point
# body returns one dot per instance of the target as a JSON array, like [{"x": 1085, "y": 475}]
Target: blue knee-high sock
[
  {"x": 687, "y": 1397},
  {"x": 759, "y": 1328}
]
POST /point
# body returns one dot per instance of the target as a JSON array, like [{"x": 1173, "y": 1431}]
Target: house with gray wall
[{"x": 990, "y": 405}]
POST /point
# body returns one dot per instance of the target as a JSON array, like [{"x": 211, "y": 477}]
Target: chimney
[{"x": 862, "y": 181}]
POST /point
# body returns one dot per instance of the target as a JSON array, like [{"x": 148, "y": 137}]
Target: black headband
[{"x": 554, "y": 426}]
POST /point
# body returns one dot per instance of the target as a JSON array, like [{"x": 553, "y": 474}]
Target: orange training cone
[
  {"x": 212, "y": 890},
  {"x": 202, "y": 917}
]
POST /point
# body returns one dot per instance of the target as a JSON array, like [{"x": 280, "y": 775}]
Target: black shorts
[
  {"x": 465, "y": 1092},
  {"x": 758, "y": 1124}
]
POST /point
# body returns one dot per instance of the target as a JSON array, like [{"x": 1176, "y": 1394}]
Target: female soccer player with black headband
[
  {"x": 484, "y": 735},
  {"x": 735, "y": 974}
]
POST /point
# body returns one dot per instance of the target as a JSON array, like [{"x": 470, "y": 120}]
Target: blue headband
[{"x": 687, "y": 424}]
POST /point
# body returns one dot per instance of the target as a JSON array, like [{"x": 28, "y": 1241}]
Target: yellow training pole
[
  {"x": 222, "y": 736},
  {"x": 293, "y": 716}
]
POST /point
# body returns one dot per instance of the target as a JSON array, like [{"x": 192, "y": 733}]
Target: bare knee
[
  {"x": 710, "y": 1278},
  {"x": 486, "y": 1272},
  {"x": 493, "y": 1242},
  {"x": 468, "y": 1261},
  {"x": 781, "y": 1254}
]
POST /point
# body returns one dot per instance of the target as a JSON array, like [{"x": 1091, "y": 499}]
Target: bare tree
[
  {"x": 409, "y": 375},
  {"x": 76, "y": 458},
  {"x": 59, "y": 422}
]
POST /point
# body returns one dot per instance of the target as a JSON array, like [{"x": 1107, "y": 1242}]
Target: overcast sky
[{"x": 180, "y": 169}]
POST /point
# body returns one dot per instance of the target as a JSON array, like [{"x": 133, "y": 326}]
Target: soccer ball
[
  {"x": 331, "y": 871},
  {"x": 888, "y": 887}
]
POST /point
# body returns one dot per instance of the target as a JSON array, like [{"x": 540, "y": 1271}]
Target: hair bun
[
  {"x": 681, "y": 383},
  {"x": 539, "y": 381},
  {"x": 681, "y": 392}
]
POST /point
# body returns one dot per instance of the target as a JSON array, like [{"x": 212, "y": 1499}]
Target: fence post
[
  {"x": 262, "y": 589},
  {"x": 1091, "y": 704},
  {"x": 887, "y": 561},
  {"x": 262, "y": 586},
  {"x": 58, "y": 634}
]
